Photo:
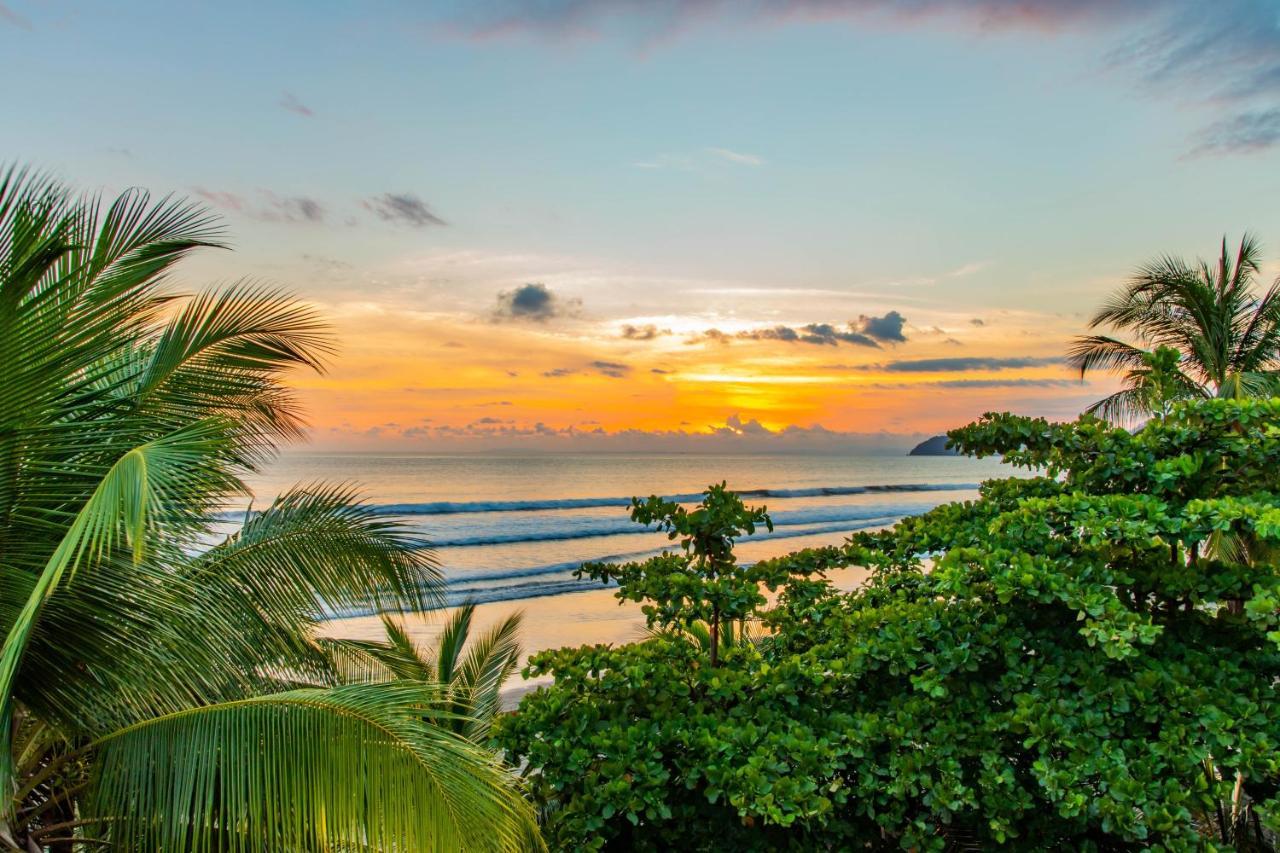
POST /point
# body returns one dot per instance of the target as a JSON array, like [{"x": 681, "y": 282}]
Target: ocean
[{"x": 508, "y": 528}]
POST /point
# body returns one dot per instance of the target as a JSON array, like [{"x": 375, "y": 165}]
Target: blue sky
[{"x": 687, "y": 165}]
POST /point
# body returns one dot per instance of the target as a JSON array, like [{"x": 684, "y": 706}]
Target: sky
[{"x": 674, "y": 224}]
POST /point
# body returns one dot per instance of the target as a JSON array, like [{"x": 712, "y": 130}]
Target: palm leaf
[
  {"x": 489, "y": 662},
  {"x": 308, "y": 769},
  {"x": 448, "y": 648},
  {"x": 146, "y": 486}
]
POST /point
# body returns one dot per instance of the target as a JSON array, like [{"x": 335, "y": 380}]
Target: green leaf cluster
[{"x": 1076, "y": 659}]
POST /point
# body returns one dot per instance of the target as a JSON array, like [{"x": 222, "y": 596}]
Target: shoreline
[{"x": 587, "y": 617}]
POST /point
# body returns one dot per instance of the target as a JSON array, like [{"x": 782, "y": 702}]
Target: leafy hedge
[{"x": 1086, "y": 658}]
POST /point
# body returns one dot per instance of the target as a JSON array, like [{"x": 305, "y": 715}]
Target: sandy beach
[{"x": 554, "y": 621}]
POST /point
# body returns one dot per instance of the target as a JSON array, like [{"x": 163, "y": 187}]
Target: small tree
[{"x": 703, "y": 581}]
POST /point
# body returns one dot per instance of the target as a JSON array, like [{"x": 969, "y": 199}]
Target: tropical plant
[
  {"x": 700, "y": 583},
  {"x": 161, "y": 687},
  {"x": 470, "y": 671},
  {"x": 1225, "y": 332},
  {"x": 1062, "y": 663}
]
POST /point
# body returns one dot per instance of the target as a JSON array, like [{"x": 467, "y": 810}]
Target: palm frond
[
  {"x": 489, "y": 663},
  {"x": 1099, "y": 352},
  {"x": 448, "y": 647},
  {"x": 277, "y": 772},
  {"x": 145, "y": 489},
  {"x": 318, "y": 550},
  {"x": 1209, "y": 313},
  {"x": 225, "y": 352}
]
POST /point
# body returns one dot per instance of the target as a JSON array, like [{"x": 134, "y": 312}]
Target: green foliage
[
  {"x": 700, "y": 583},
  {"x": 1202, "y": 331},
  {"x": 1063, "y": 662},
  {"x": 144, "y": 646},
  {"x": 420, "y": 788},
  {"x": 470, "y": 671}
]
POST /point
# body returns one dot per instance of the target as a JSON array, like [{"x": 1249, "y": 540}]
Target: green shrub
[{"x": 1087, "y": 659}]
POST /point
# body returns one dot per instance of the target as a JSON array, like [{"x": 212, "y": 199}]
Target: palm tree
[
  {"x": 158, "y": 692},
  {"x": 1226, "y": 334},
  {"x": 471, "y": 671},
  {"x": 733, "y": 634}
]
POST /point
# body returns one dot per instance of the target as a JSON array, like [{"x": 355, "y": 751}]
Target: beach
[
  {"x": 548, "y": 622},
  {"x": 511, "y": 529}
]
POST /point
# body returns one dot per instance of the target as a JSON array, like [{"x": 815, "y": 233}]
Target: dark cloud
[
  {"x": 289, "y": 102},
  {"x": 403, "y": 209},
  {"x": 961, "y": 365},
  {"x": 1223, "y": 54},
  {"x": 266, "y": 206},
  {"x": 777, "y": 333},
  {"x": 978, "y": 321},
  {"x": 611, "y": 368},
  {"x": 887, "y": 328},
  {"x": 558, "y": 372},
  {"x": 826, "y": 334},
  {"x": 533, "y": 301},
  {"x": 659, "y": 370},
  {"x": 709, "y": 335},
  {"x": 643, "y": 333},
  {"x": 819, "y": 334}
]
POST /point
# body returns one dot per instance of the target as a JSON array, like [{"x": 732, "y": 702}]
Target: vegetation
[
  {"x": 155, "y": 693},
  {"x": 701, "y": 585},
  {"x": 1084, "y": 657},
  {"x": 472, "y": 672},
  {"x": 1210, "y": 334},
  {"x": 1074, "y": 665}
]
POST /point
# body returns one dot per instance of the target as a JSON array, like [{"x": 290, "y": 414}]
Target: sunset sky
[{"x": 780, "y": 224}]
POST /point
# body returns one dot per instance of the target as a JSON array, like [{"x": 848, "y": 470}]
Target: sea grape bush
[
  {"x": 702, "y": 582},
  {"x": 1083, "y": 659}
]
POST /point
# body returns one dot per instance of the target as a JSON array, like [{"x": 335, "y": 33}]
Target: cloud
[
  {"x": 736, "y": 157},
  {"x": 646, "y": 332},
  {"x": 1240, "y": 134},
  {"x": 961, "y": 365},
  {"x": 977, "y": 321},
  {"x": 887, "y": 328},
  {"x": 738, "y": 433},
  {"x": 568, "y": 18},
  {"x": 864, "y": 334},
  {"x": 532, "y": 301},
  {"x": 297, "y": 209},
  {"x": 403, "y": 209},
  {"x": 289, "y": 102},
  {"x": 1005, "y": 383},
  {"x": 611, "y": 369},
  {"x": 1224, "y": 54},
  {"x": 328, "y": 264},
  {"x": 13, "y": 18},
  {"x": 267, "y": 206},
  {"x": 751, "y": 427}
]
